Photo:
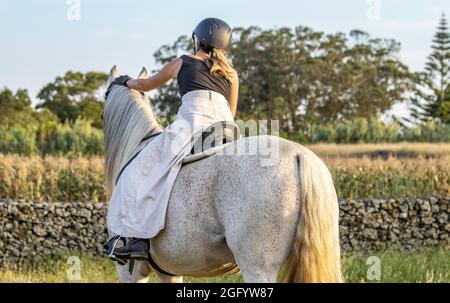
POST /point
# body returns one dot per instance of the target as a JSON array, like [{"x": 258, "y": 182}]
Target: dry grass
[
  {"x": 399, "y": 149},
  {"x": 51, "y": 178},
  {"x": 395, "y": 177},
  {"x": 416, "y": 170}
]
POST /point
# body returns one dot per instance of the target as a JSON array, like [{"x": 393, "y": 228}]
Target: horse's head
[{"x": 127, "y": 119}]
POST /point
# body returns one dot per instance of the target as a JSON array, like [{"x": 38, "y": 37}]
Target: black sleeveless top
[{"x": 195, "y": 75}]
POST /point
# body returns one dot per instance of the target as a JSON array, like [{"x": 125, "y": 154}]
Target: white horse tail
[{"x": 315, "y": 253}]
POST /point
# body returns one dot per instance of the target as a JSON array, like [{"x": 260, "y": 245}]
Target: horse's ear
[
  {"x": 113, "y": 74},
  {"x": 143, "y": 74}
]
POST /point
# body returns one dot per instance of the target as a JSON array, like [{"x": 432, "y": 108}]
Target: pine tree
[{"x": 431, "y": 98}]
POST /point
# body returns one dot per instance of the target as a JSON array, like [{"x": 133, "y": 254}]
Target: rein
[{"x": 146, "y": 138}]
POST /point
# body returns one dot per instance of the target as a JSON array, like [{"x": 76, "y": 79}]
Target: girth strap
[
  {"x": 155, "y": 266},
  {"x": 152, "y": 265}
]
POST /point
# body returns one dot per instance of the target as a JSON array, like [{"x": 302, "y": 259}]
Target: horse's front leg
[
  {"x": 140, "y": 274},
  {"x": 169, "y": 279}
]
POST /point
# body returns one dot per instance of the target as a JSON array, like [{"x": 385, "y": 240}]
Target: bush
[
  {"x": 18, "y": 140},
  {"x": 47, "y": 136},
  {"x": 79, "y": 138},
  {"x": 52, "y": 138},
  {"x": 430, "y": 131},
  {"x": 370, "y": 130}
]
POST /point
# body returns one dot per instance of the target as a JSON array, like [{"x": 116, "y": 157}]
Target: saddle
[{"x": 212, "y": 140}]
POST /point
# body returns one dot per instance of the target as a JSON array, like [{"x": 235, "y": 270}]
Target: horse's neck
[
  {"x": 121, "y": 160},
  {"x": 141, "y": 145}
]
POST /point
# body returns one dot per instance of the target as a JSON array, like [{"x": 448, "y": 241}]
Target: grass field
[
  {"x": 359, "y": 171},
  {"x": 427, "y": 265}
]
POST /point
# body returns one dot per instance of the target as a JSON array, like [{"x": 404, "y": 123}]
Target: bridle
[{"x": 108, "y": 90}]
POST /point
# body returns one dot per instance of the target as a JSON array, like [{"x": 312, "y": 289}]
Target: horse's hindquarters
[
  {"x": 261, "y": 203},
  {"x": 227, "y": 208}
]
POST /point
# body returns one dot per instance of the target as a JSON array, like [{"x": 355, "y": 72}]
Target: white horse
[{"x": 228, "y": 212}]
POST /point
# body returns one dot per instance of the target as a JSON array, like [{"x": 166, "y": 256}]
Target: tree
[
  {"x": 431, "y": 98},
  {"x": 75, "y": 95},
  {"x": 301, "y": 76},
  {"x": 11, "y": 104},
  {"x": 360, "y": 80},
  {"x": 10, "y": 101}
]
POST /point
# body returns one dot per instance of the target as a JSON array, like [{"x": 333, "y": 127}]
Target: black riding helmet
[{"x": 213, "y": 32}]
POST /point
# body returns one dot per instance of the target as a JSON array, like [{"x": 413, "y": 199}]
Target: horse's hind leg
[
  {"x": 140, "y": 274},
  {"x": 258, "y": 264},
  {"x": 259, "y": 274},
  {"x": 260, "y": 249},
  {"x": 257, "y": 270}
]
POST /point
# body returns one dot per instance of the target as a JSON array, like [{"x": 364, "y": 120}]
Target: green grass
[{"x": 425, "y": 265}]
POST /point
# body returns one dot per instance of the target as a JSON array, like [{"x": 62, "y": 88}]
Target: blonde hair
[{"x": 220, "y": 65}]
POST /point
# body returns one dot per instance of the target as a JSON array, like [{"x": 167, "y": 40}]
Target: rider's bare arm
[
  {"x": 234, "y": 94},
  {"x": 169, "y": 71}
]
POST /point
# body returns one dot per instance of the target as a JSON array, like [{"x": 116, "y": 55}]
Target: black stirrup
[{"x": 110, "y": 246}]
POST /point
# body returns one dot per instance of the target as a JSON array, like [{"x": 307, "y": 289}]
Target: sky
[{"x": 42, "y": 39}]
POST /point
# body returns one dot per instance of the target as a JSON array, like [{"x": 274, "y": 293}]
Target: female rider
[{"x": 209, "y": 89}]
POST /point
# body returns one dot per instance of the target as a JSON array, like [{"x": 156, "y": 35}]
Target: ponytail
[{"x": 220, "y": 65}]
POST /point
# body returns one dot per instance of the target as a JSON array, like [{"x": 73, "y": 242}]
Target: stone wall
[
  {"x": 407, "y": 223},
  {"x": 29, "y": 230}
]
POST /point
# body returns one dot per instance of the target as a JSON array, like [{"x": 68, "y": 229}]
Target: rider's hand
[{"x": 122, "y": 80}]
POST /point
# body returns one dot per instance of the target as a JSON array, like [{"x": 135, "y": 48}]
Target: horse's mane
[{"x": 127, "y": 119}]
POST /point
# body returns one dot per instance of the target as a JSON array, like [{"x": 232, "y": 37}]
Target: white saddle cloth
[{"x": 139, "y": 201}]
